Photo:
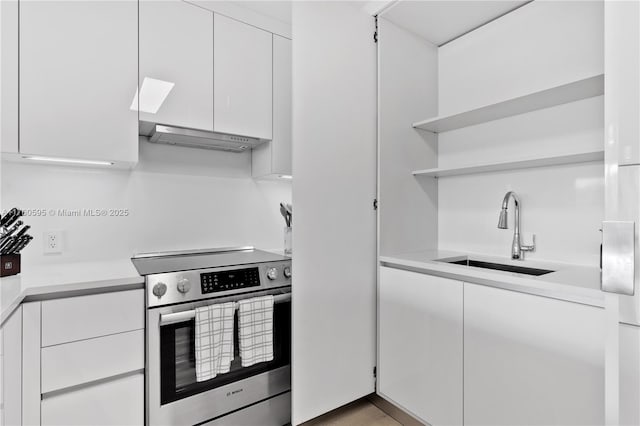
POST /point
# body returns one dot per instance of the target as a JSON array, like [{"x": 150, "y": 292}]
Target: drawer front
[
  {"x": 118, "y": 402},
  {"x": 84, "y": 317},
  {"x": 72, "y": 364},
  {"x": 275, "y": 411}
]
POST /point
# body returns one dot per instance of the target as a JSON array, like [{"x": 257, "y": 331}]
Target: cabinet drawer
[
  {"x": 117, "y": 402},
  {"x": 85, "y": 317},
  {"x": 80, "y": 362}
]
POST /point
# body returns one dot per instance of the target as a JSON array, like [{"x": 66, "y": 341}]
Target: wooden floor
[{"x": 359, "y": 413}]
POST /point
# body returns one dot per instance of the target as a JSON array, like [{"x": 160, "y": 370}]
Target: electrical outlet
[{"x": 52, "y": 242}]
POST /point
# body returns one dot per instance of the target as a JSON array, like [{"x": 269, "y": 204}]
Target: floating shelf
[
  {"x": 575, "y": 91},
  {"x": 583, "y": 157}
]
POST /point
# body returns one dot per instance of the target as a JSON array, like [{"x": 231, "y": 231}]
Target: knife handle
[{"x": 23, "y": 231}]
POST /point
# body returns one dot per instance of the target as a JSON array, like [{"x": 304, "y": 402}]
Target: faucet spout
[
  {"x": 502, "y": 220},
  {"x": 517, "y": 249}
]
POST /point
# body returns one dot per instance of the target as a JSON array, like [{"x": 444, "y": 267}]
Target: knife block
[{"x": 9, "y": 265}]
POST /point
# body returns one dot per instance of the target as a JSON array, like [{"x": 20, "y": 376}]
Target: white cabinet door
[
  {"x": 622, "y": 87},
  {"x": 622, "y": 200},
  {"x": 242, "y": 78},
  {"x": 420, "y": 345},
  {"x": 118, "y": 402},
  {"x": 31, "y": 357},
  {"x": 334, "y": 240},
  {"x": 274, "y": 158},
  {"x": 529, "y": 360},
  {"x": 78, "y": 75},
  {"x": 176, "y": 64},
  {"x": 629, "y": 375},
  {"x": 9, "y": 76},
  {"x": 11, "y": 369}
]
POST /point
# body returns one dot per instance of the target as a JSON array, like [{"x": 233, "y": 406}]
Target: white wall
[
  {"x": 407, "y": 92},
  {"x": 562, "y": 205},
  {"x": 178, "y": 198},
  {"x": 539, "y": 45}
]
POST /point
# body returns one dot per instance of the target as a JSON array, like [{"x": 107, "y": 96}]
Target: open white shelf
[
  {"x": 582, "y": 157},
  {"x": 574, "y": 91}
]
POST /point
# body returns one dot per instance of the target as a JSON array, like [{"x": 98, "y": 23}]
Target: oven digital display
[{"x": 212, "y": 282}]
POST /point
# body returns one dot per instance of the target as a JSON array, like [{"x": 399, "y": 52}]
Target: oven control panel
[
  {"x": 193, "y": 285},
  {"x": 213, "y": 282}
]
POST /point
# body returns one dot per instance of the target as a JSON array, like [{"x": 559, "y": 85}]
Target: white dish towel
[
  {"x": 255, "y": 330},
  {"x": 214, "y": 340}
]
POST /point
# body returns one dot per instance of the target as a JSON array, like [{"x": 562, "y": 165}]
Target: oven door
[{"x": 173, "y": 394}]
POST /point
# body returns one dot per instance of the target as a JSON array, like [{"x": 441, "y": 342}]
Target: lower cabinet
[
  {"x": 453, "y": 353},
  {"x": 82, "y": 360},
  {"x": 117, "y": 401},
  {"x": 530, "y": 360},
  {"x": 629, "y": 375},
  {"x": 420, "y": 345},
  {"x": 11, "y": 370}
]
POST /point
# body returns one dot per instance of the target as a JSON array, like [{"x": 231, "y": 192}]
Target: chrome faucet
[{"x": 517, "y": 249}]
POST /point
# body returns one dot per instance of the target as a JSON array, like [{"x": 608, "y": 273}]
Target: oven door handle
[{"x": 189, "y": 315}]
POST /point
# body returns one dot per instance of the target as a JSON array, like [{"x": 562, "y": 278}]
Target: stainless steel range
[{"x": 176, "y": 284}]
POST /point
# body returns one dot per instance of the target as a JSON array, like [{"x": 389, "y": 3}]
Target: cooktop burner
[{"x": 188, "y": 260}]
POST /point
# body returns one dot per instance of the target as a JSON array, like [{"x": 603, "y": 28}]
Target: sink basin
[{"x": 500, "y": 267}]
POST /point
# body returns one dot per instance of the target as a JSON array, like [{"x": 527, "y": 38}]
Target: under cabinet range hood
[{"x": 170, "y": 135}]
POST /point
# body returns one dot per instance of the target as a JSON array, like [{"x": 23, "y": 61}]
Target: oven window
[{"x": 178, "y": 361}]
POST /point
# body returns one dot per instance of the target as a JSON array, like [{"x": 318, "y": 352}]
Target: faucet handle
[{"x": 532, "y": 247}]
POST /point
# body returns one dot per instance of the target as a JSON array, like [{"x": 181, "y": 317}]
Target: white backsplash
[
  {"x": 563, "y": 206},
  {"x": 176, "y": 198}
]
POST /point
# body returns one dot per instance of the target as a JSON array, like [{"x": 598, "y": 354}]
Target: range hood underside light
[{"x": 202, "y": 139}]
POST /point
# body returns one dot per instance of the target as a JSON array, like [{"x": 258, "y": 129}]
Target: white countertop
[
  {"x": 574, "y": 283},
  {"x": 69, "y": 279},
  {"x": 59, "y": 280}
]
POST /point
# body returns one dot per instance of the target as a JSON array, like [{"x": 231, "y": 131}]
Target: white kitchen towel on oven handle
[
  {"x": 214, "y": 340},
  {"x": 255, "y": 330}
]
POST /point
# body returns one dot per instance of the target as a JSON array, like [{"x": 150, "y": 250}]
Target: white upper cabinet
[
  {"x": 622, "y": 65},
  {"x": 274, "y": 158},
  {"x": 78, "y": 68},
  {"x": 242, "y": 73},
  {"x": 9, "y": 76},
  {"x": 176, "y": 64}
]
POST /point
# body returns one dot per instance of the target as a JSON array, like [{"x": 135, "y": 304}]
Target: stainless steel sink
[{"x": 499, "y": 266}]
